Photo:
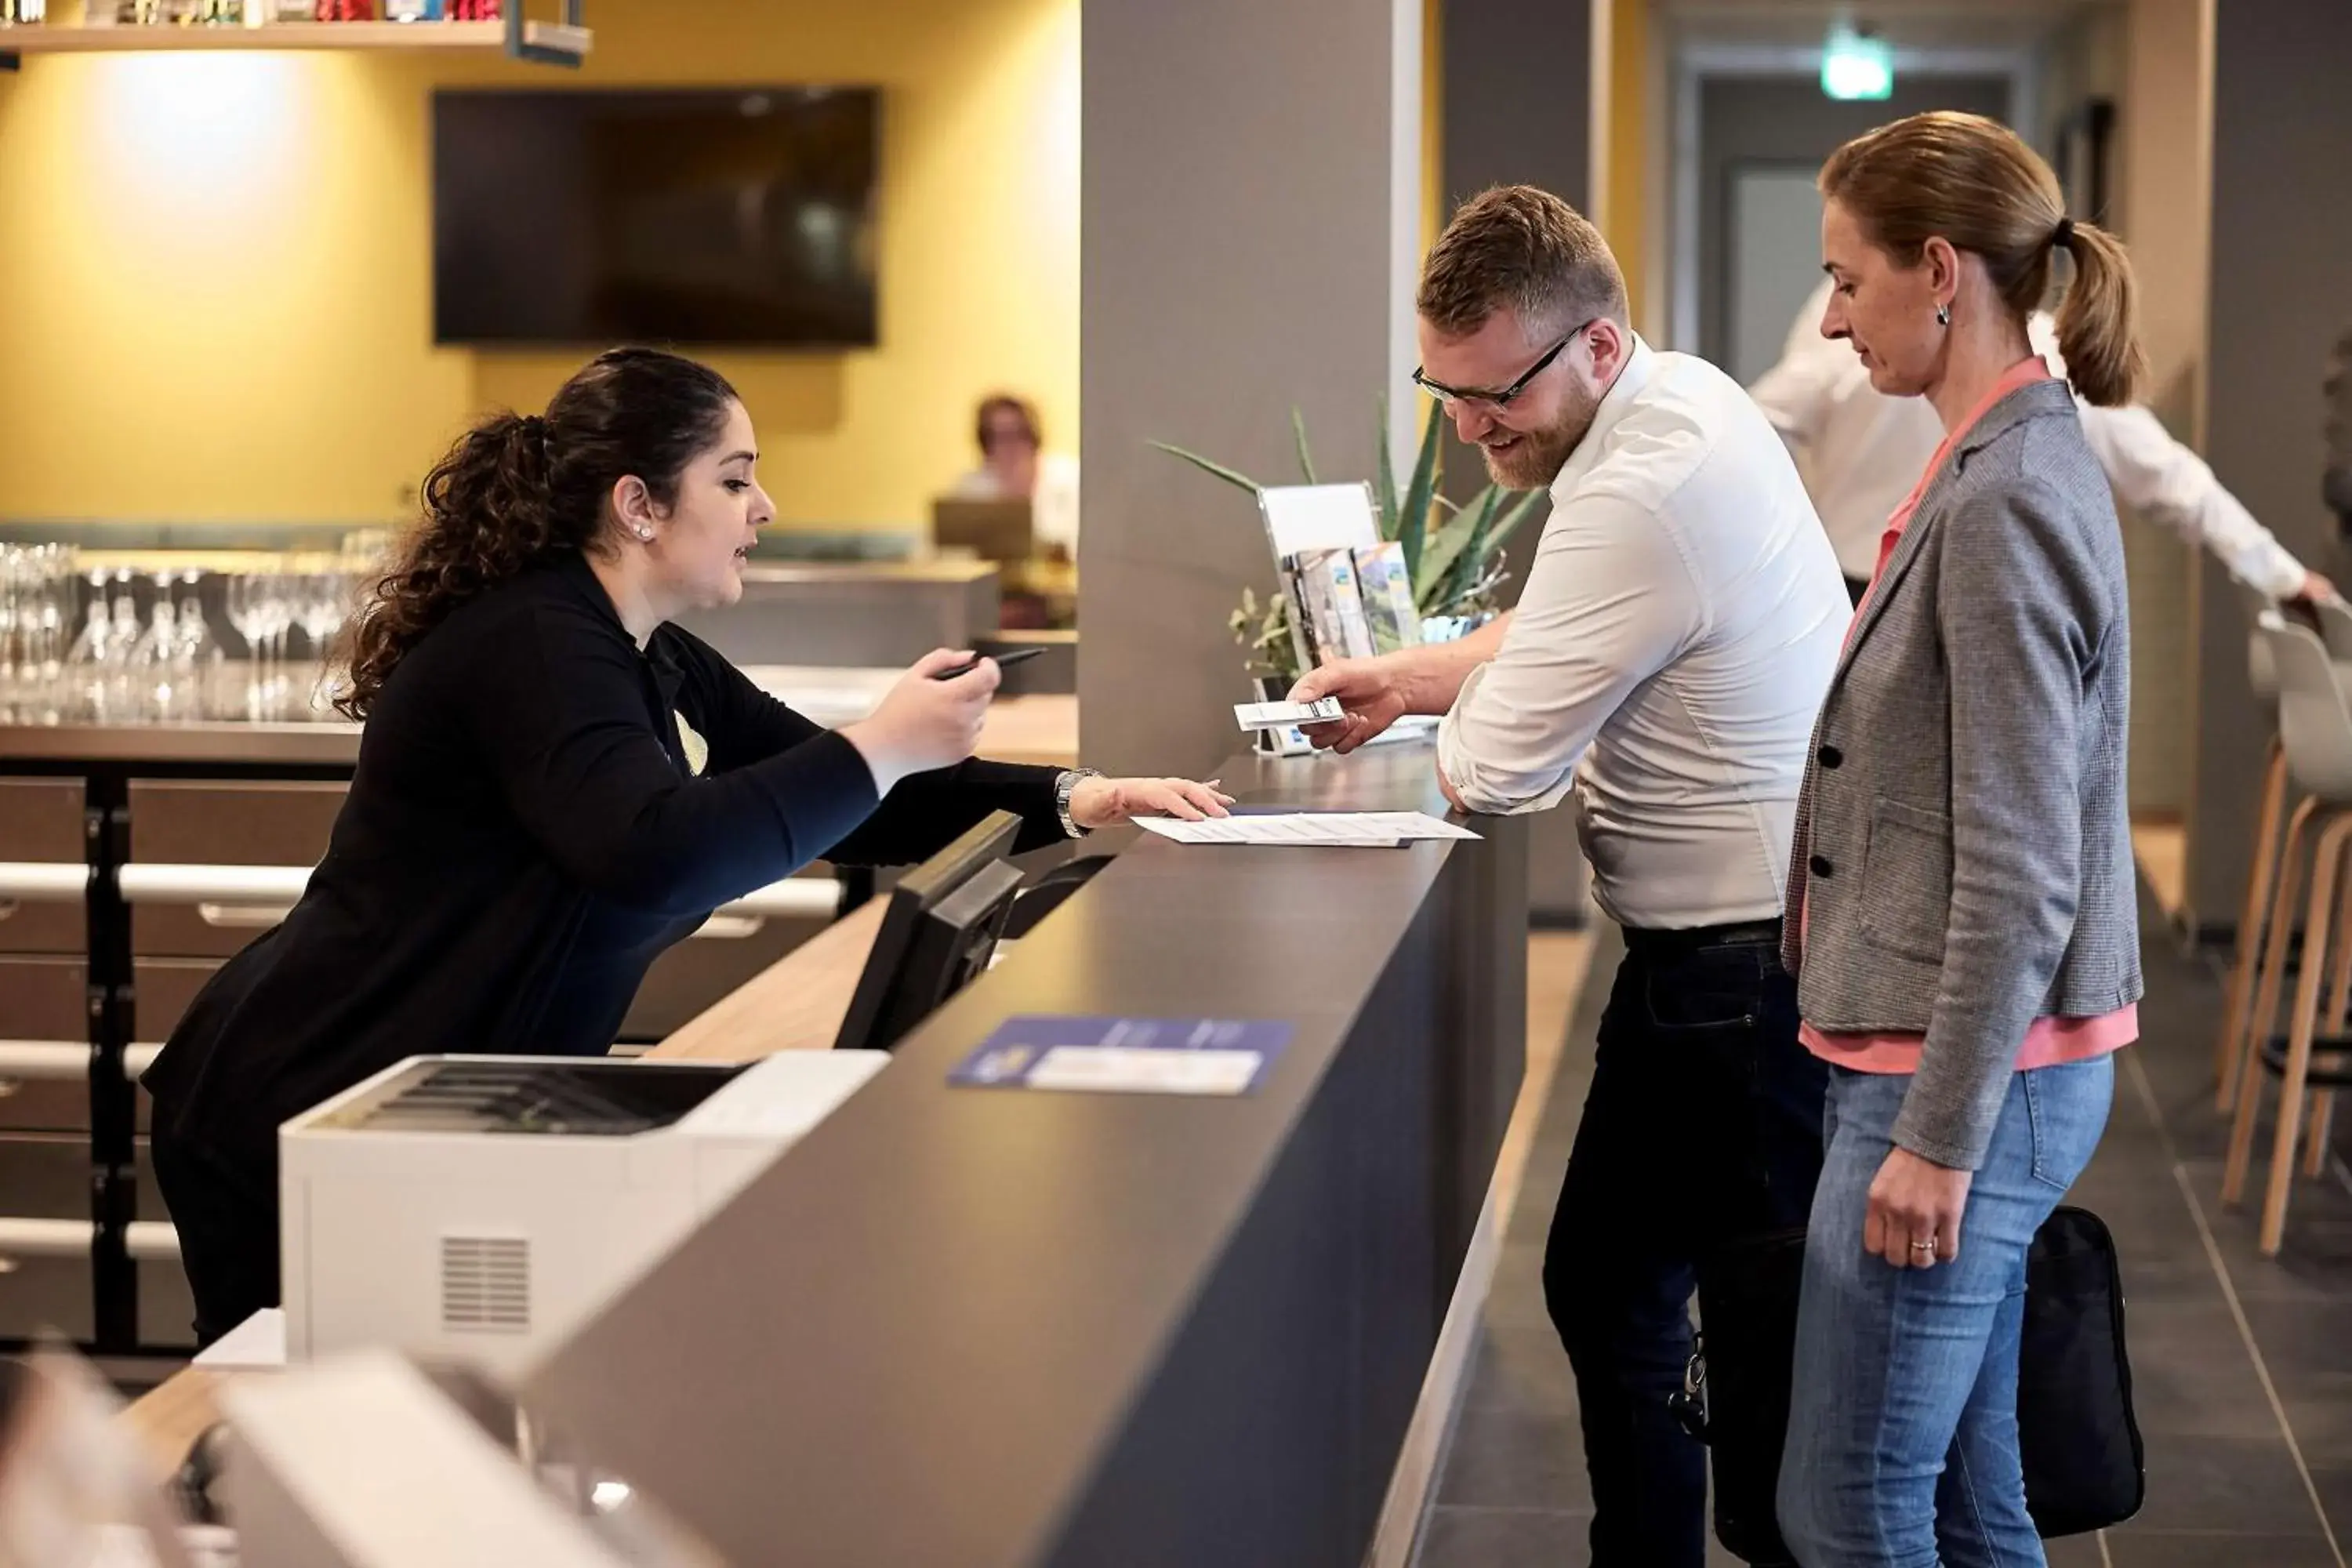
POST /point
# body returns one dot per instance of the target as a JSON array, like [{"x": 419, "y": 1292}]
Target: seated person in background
[
  {"x": 1861, "y": 451},
  {"x": 1014, "y": 466}
]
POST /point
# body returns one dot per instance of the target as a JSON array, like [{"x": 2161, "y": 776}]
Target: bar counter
[{"x": 967, "y": 1327}]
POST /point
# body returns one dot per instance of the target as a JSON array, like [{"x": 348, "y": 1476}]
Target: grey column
[
  {"x": 1518, "y": 106},
  {"x": 2281, "y": 291},
  {"x": 1250, "y": 229}
]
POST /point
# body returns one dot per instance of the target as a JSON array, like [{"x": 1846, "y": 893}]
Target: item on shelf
[
  {"x": 292, "y": 10},
  {"x": 345, "y": 11},
  {"x": 475, "y": 10},
  {"x": 1387, "y": 586},
  {"x": 35, "y": 604},
  {"x": 24, "y": 13},
  {"x": 1338, "y": 627}
]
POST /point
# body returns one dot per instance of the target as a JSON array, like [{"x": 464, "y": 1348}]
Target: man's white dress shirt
[
  {"x": 1671, "y": 648},
  {"x": 1862, "y": 451}
]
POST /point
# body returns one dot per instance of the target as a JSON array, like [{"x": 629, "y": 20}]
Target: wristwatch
[{"x": 1062, "y": 788}]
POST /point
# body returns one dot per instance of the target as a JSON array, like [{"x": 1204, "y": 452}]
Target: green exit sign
[{"x": 1856, "y": 67}]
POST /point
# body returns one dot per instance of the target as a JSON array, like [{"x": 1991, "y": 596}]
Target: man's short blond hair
[{"x": 1517, "y": 248}]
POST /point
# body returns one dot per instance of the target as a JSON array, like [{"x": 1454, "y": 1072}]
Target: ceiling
[{"x": 1906, "y": 24}]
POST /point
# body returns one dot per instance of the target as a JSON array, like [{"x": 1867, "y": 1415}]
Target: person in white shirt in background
[
  {"x": 1861, "y": 451},
  {"x": 1673, "y": 642},
  {"x": 1014, "y": 466}
]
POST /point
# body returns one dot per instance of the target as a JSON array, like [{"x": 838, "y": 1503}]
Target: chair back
[
  {"x": 2262, "y": 673},
  {"x": 2335, "y": 627},
  {"x": 2314, "y": 723}
]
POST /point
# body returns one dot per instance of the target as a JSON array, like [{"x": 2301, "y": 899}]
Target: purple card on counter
[{"x": 1126, "y": 1055}]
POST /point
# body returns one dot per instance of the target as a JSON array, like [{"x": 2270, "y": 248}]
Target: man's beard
[{"x": 1536, "y": 458}]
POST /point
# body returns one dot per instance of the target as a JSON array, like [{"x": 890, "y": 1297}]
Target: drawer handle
[
  {"x": 243, "y": 917},
  {"x": 730, "y": 928}
]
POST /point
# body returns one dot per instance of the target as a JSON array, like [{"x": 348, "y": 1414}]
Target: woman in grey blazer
[{"x": 1962, "y": 911}]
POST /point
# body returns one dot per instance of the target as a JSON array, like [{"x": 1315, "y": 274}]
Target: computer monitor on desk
[
  {"x": 998, "y": 531},
  {"x": 936, "y": 935}
]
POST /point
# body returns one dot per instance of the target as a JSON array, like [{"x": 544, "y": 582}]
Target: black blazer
[{"x": 523, "y": 836}]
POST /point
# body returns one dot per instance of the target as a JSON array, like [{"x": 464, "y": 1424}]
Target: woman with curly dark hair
[{"x": 554, "y": 785}]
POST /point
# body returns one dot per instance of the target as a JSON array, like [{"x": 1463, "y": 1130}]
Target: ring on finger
[{"x": 1927, "y": 1246}]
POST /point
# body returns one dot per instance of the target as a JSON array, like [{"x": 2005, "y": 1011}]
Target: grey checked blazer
[{"x": 1962, "y": 849}]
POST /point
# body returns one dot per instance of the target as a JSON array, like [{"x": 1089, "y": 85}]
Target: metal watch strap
[{"x": 1063, "y": 787}]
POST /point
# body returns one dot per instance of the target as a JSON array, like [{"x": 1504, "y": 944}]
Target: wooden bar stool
[
  {"x": 2241, "y": 1006},
  {"x": 2316, "y": 729},
  {"x": 2262, "y": 870}
]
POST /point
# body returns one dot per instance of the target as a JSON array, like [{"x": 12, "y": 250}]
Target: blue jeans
[{"x": 1903, "y": 1418}]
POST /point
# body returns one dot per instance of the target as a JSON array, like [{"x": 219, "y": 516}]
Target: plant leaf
[
  {"x": 1298, "y": 433},
  {"x": 1442, "y": 550},
  {"x": 1239, "y": 481},
  {"x": 1413, "y": 512},
  {"x": 1471, "y": 559},
  {"x": 1384, "y": 490}
]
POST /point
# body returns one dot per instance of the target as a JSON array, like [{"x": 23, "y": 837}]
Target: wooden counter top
[
  {"x": 795, "y": 1004},
  {"x": 1042, "y": 728}
]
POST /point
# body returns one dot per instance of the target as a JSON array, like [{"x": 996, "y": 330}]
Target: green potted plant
[{"x": 1454, "y": 553}]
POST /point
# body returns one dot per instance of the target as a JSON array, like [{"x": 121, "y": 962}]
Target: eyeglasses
[{"x": 1450, "y": 395}]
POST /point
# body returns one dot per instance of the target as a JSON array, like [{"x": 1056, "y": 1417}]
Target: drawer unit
[
  {"x": 46, "y": 1000},
  {"x": 43, "y": 1000},
  {"x": 41, "y": 820},
  {"x": 162, "y": 989},
  {"x": 49, "y": 1178},
  {"x": 203, "y": 823}
]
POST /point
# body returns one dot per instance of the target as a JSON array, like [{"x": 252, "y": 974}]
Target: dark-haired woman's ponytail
[
  {"x": 487, "y": 514},
  {"x": 518, "y": 489}
]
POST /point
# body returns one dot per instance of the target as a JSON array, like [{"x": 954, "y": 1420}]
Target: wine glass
[{"x": 248, "y": 612}]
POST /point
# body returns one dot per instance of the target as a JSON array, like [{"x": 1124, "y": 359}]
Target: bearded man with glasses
[{"x": 1672, "y": 644}]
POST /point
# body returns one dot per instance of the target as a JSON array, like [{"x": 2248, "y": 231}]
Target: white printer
[{"x": 482, "y": 1208}]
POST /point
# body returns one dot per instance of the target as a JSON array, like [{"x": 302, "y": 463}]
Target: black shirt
[{"x": 523, "y": 837}]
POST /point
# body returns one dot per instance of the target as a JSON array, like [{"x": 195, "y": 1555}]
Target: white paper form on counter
[{"x": 1321, "y": 829}]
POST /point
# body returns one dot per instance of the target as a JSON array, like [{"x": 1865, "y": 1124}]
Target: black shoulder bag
[{"x": 2084, "y": 1468}]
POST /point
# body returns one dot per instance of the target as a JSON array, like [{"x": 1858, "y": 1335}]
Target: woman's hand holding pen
[{"x": 925, "y": 723}]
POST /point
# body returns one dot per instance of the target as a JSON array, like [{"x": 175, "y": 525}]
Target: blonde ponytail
[{"x": 2098, "y": 321}]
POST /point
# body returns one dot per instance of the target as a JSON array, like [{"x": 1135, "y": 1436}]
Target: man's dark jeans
[{"x": 1703, "y": 1124}]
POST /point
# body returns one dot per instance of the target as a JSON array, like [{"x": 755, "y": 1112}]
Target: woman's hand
[
  {"x": 1104, "y": 803},
  {"x": 1914, "y": 1202},
  {"x": 923, "y": 723}
]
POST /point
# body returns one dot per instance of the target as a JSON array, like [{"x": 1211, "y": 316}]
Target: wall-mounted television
[{"x": 741, "y": 216}]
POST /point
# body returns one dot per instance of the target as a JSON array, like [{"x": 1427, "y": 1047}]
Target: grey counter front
[{"x": 981, "y": 1327}]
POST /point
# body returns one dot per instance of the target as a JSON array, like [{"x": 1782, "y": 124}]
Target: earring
[
  {"x": 1943, "y": 315},
  {"x": 646, "y": 534}
]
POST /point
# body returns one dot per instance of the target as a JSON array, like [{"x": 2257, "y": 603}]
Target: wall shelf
[{"x": 554, "y": 43}]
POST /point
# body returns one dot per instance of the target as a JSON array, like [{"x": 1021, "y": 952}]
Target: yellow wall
[
  {"x": 1433, "y": 211},
  {"x": 1624, "y": 213},
  {"x": 215, "y": 287}
]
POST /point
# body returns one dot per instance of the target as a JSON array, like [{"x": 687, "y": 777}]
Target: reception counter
[
  {"x": 973, "y": 1327},
  {"x": 978, "y": 1327}
]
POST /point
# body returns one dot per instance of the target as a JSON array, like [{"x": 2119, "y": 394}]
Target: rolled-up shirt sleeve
[
  {"x": 1609, "y": 603},
  {"x": 2174, "y": 486}
]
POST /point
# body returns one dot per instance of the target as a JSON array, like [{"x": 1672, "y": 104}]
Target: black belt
[{"x": 1690, "y": 939}]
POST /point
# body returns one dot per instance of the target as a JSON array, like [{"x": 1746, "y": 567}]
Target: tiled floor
[{"x": 2242, "y": 1368}]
